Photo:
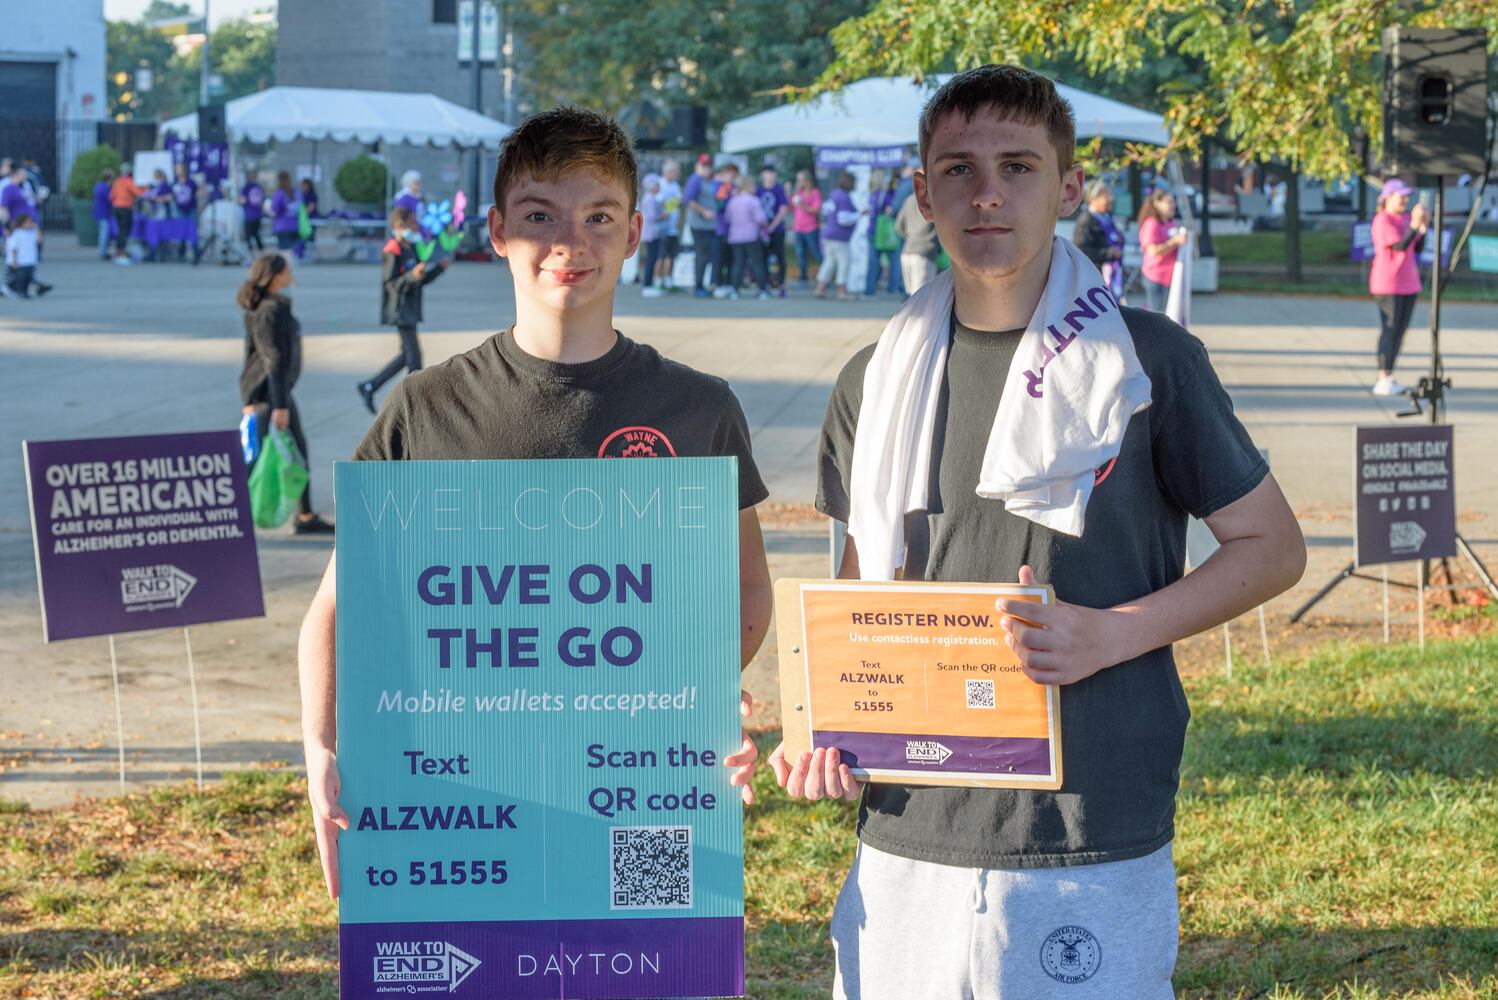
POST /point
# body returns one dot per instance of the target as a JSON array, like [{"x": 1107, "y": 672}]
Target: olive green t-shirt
[{"x": 1122, "y": 728}]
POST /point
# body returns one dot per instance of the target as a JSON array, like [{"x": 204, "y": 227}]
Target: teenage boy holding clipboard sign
[{"x": 1015, "y": 424}]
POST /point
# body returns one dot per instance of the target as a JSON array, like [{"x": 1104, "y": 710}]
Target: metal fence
[{"x": 53, "y": 143}]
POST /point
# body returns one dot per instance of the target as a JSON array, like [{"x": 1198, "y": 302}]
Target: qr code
[
  {"x": 650, "y": 867},
  {"x": 980, "y": 694}
]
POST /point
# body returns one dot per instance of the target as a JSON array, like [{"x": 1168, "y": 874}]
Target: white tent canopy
[
  {"x": 321, "y": 113},
  {"x": 885, "y": 111}
]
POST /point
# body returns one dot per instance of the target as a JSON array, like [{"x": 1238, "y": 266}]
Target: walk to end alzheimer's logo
[
  {"x": 152, "y": 588},
  {"x": 421, "y": 967}
]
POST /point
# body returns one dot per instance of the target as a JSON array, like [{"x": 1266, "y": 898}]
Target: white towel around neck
[{"x": 1073, "y": 385}]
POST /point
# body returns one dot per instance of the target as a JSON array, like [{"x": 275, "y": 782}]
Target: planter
[{"x": 84, "y": 223}]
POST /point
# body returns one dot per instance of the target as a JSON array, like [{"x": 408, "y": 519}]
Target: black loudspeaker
[
  {"x": 688, "y": 127},
  {"x": 1435, "y": 101},
  {"x": 211, "y": 127}
]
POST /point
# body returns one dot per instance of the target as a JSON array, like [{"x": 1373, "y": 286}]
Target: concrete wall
[{"x": 48, "y": 32}]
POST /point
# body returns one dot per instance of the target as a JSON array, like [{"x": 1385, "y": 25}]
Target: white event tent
[
  {"x": 885, "y": 111},
  {"x": 286, "y": 114}
]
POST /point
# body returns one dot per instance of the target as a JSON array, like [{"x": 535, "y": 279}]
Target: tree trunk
[
  {"x": 1206, "y": 186},
  {"x": 1292, "y": 226}
]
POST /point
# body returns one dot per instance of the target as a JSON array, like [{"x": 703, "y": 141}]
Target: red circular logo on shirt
[
  {"x": 636, "y": 442},
  {"x": 1102, "y": 471}
]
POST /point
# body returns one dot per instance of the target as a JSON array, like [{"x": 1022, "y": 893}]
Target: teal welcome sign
[{"x": 537, "y": 683}]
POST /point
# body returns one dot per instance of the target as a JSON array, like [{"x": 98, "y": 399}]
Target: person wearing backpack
[
  {"x": 272, "y": 364},
  {"x": 884, "y": 245}
]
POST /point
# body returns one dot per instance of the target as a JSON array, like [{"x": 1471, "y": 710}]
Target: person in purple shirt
[
  {"x": 410, "y": 196},
  {"x": 772, "y": 198},
  {"x": 283, "y": 212},
  {"x": 882, "y": 196},
  {"x": 252, "y": 200},
  {"x": 103, "y": 213},
  {"x": 841, "y": 216},
  {"x": 16, "y": 196},
  {"x": 185, "y": 205}
]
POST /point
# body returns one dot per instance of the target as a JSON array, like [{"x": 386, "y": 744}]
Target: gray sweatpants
[{"x": 905, "y": 929}]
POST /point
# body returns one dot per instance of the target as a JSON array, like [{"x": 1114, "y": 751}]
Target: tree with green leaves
[
  {"x": 1276, "y": 80},
  {"x": 243, "y": 53},
  {"x": 730, "y": 56}
]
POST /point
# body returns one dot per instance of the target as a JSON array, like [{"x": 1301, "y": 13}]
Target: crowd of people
[
  {"x": 743, "y": 230},
  {"x": 22, "y": 192},
  {"x": 124, "y": 208}
]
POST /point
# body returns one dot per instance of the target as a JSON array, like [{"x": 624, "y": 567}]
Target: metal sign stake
[{"x": 119, "y": 718}]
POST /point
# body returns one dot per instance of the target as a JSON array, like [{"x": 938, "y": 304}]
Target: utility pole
[
  {"x": 477, "y": 81},
  {"x": 203, "y": 77}
]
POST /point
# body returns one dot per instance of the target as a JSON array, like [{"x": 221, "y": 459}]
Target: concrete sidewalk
[{"x": 157, "y": 348}]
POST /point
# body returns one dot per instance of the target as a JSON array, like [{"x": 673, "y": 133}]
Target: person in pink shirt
[
  {"x": 746, "y": 232},
  {"x": 1160, "y": 237},
  {"x": 1394, "y": 275},
  {"x": 806, "y": 225}
]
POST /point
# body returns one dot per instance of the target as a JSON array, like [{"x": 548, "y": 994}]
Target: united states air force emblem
[{"x": 1071, "y": 954}]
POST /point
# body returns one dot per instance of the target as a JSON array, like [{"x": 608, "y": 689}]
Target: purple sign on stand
[
  {"x": 136, "y": 533},
  {"x": 1362, "y": 245},
  {"x": 1406, "y": 498}
]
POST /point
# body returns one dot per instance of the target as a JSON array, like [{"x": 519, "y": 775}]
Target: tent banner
[
  {"x": 538, "y": 680},
  {"x": 879, "y": 157},
  {"x": 138, "y": 533}
]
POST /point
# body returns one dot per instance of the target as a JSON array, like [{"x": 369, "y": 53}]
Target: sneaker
[
  {"x": 366, "y": 393},
  {"x": 733, "y": 293},
  {"x": 1387, "y": 385},
  {"x": 42, "y": 288},
  {"x": 703, "y": 293},
  {"x": 123, "y": 261},
  {"x": 764, "y": 295},
  {"x": 8, "y": 292},
  {"x": 314, "y": 525},
  {"x": 721, "y": 292},
  {"x": 651, "y": 292}
]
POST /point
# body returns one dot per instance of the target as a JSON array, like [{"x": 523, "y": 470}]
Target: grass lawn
[{"x": 1336, "y": 839}]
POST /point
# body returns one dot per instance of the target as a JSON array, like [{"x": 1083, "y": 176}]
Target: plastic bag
[
  {"x": 277, "y": 481},
  {"x": 885, "y": 240}
]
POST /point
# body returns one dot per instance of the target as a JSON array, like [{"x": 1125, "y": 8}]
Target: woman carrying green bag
[{"x": 272, "y": 363}]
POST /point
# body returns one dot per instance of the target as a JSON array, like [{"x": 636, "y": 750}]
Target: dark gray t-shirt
[
  {"x": 496, "y": 401},
  {"x": 1122, "y": 728}
]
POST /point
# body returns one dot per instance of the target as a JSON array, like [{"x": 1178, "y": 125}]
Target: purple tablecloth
[{"x": 153, "y": 232}]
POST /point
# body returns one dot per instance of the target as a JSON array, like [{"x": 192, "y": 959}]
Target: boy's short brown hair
[
  {"x": 1012, "y": 92},
  {"x": 555, "y": 143}
]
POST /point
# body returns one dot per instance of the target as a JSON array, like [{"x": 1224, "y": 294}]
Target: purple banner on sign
[
  {"x": 939, "y": 754},
  {"x": 136, "y": 533},
  {"x": 1362, "y": 245},
  {"x": 545, "y": 959},
  {"x": 882, "y": 157}
]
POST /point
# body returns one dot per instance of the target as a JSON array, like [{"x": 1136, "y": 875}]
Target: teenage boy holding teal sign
[
  {"x": 1009, "y": 404},
  {"x": 560, "y": 383}
]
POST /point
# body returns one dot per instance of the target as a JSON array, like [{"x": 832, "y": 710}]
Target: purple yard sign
[
  {"x": 1406, "y": 500},
  {"x": 881, "y": 157},
  {"x": 1362, "y": 245},
  {"x": 136, "y": 533}
]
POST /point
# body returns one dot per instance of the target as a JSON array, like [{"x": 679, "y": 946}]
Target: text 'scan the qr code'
[
  {"x": 980, "y": 694},
  {"x": 650, "y": 867}
]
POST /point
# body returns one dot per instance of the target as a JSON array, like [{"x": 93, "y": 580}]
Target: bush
[
  {"x": 361, "y": 181},
  {"x": 87, "y": 166}
]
